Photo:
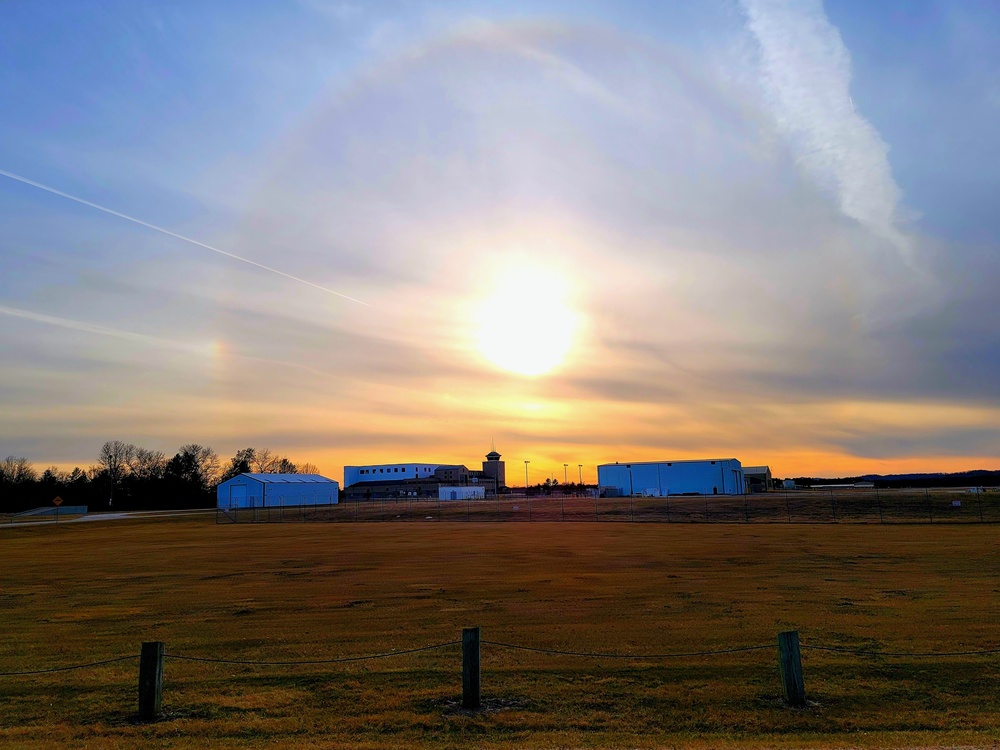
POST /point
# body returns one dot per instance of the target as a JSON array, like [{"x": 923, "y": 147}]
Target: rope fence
[
  {"x": 596, "y": 655},
  {"x": 903, "y": 654},
  {"x": 340, "y": 660},
  {"x": 154, "y": 654},
  {"x": 70, "y": 668}
]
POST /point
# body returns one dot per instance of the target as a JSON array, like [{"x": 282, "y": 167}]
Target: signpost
[{"x": 57, "y": 502}]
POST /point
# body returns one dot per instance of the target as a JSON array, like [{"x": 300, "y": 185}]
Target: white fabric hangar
[
  {"x": 710, "y": 476},
  {"x": 277, "y": 490}
]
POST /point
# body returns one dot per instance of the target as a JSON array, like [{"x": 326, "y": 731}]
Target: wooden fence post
[
  {"x": 470, "y": 669},
  {"x": 790, "y": 666},
  {"x": 151, "y": 680}
]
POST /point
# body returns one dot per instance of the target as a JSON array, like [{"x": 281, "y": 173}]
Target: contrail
[
  {"x": 167, "y": 232},
  {"x": 79, "y": 325}
]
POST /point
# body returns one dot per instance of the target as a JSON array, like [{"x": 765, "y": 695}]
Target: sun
[{"x": 527, "y": 326}]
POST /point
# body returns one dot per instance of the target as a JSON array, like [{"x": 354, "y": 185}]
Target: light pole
[
  {"x": 564, "y": 473},
  {"x": 526, "y": 478},
  {"x": 580, "y": 467},
  {"x": 631, "y": 494}
]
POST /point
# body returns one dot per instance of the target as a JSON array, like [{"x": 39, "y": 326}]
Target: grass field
[
  {"x": 800, "y": 506},
  {"x": 89, "y": 591}
]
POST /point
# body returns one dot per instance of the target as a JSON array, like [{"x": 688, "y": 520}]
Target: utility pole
[
  {"x": 564, "y": 473},
  {"x": 526, "y": 478}
]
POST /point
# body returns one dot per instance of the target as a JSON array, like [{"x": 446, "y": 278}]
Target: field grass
[
  {"x": 82, "y": 592},
  {"x": 841, "y": 505}
]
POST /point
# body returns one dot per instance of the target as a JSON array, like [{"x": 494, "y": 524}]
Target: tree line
[{"x": 130, "y": 477}]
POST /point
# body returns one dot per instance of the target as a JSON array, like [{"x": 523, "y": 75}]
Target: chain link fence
[{"x": 827, "y": 505}]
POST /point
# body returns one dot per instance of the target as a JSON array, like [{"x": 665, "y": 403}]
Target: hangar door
[{"x": 237, "y": 496}]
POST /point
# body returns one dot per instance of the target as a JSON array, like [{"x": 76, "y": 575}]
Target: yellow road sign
[{"x": 57, "y": 502}]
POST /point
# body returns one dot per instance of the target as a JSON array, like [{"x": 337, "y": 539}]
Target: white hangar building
[
  {"x": 710, "y": 476},
  {"x": 276, "y": 490}
]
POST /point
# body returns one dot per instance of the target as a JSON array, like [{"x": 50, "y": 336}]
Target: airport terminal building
[{"x": 421, "y": 479}]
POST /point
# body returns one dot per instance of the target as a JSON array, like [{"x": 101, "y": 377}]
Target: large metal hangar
[
  {"x": 758, "y": 478},
  {"x": 710, "y": 476},
  {"x": 277, "y": 490}
]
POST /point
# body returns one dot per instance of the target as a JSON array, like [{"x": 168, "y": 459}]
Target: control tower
[{"x": 494, "y": 467}]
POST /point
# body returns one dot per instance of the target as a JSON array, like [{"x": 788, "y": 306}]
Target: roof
[
  {"x": 756, "y": 469},
  {"x": 674, "y": 461},
  {"x": 397, "y": 463},
  {"x": 287, "y": 478}
]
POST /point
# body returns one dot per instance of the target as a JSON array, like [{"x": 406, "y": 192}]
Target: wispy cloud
[
  {"x": 806, "y": 72},
  {"x": 175, "y": 235},
  {"x": 99, "y": 330}
]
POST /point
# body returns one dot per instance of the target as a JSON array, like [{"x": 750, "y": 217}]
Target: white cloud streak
[
  {"x": 806, "y": 74},
  {"x": 140, "y": 222},
  {"x": 84, "y": 327}
]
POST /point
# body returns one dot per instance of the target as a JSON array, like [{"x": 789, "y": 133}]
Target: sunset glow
[{"x": 526, "y": 325}]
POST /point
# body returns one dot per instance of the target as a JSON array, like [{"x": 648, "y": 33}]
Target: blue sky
[{"x": 589, "y": 230}]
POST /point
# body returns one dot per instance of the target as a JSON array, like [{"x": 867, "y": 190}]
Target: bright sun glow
[{"x": 527, "y": 325}]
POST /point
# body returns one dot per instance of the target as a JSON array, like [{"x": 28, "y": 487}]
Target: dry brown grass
[{"x": 81, "y": 592}]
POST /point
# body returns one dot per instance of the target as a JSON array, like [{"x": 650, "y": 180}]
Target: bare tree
[
  {"x": 114, "y": 459},
  {"x": 264, "y": 461},
  {"x": 306, "y": 468},
  {"x": 146, "y": 464},
  {"x": 16, "y": 470}
]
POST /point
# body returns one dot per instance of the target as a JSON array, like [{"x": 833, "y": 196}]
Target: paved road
[{"x": 90, "y": 517}]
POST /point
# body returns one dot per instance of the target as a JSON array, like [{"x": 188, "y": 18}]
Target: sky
[{"x": 374, "y": 232}]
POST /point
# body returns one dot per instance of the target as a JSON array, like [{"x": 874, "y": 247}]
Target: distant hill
[{"x": 972, "y": 478}]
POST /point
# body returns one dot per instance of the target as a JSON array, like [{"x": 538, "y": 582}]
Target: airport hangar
[
  {"x": 710, "y": 476},
  {"x": 276, "y": 490}
]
